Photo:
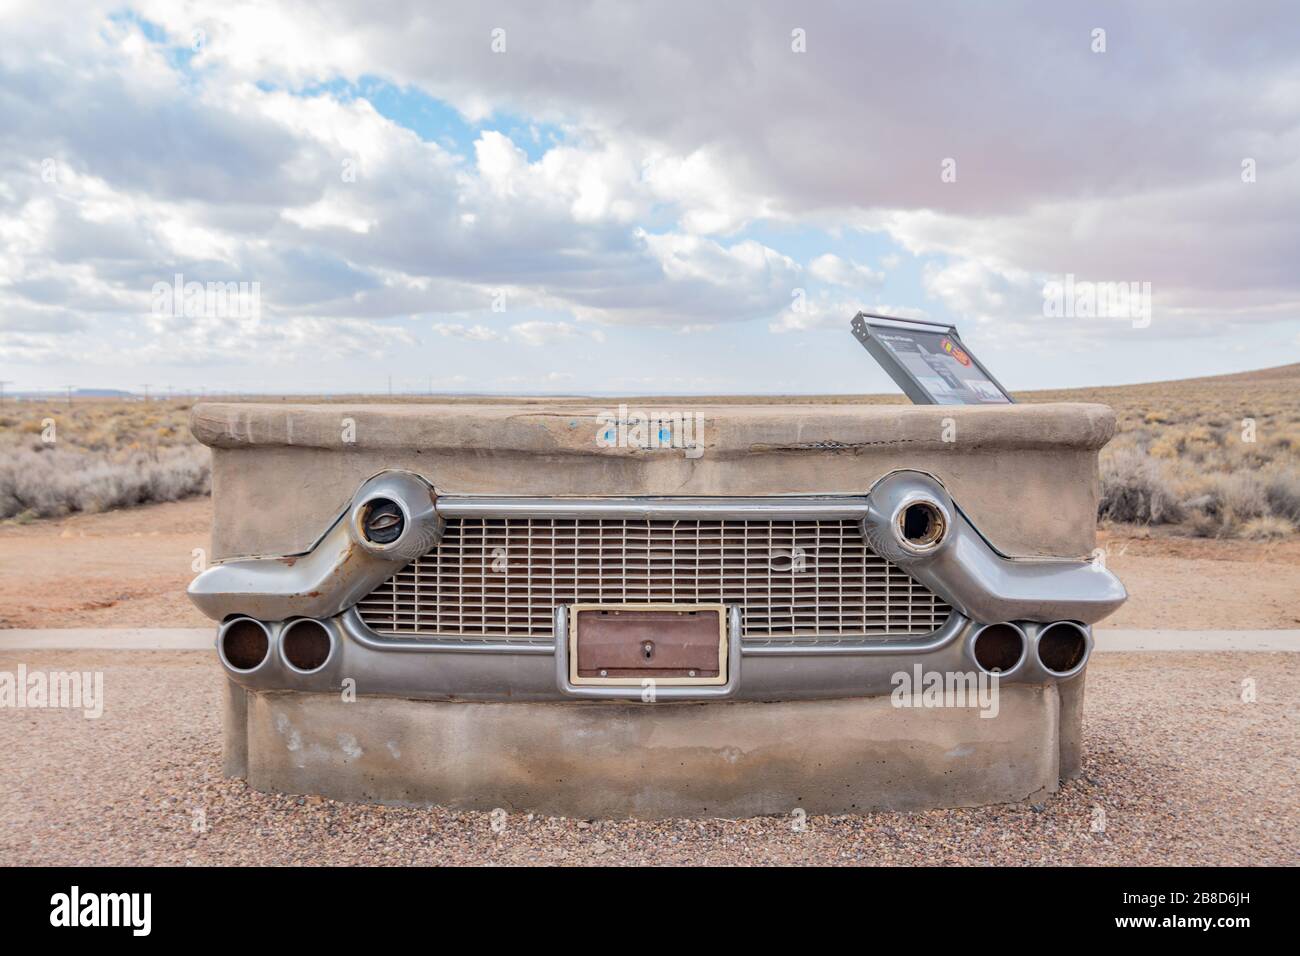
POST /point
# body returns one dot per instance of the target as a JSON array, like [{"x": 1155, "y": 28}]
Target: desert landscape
[{"x": 103, "y": 524}]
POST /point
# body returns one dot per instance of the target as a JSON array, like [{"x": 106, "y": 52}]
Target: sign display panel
[{"x": 929, "y": 361}]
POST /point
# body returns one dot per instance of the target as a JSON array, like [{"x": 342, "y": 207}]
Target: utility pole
[
  {"x": 146, "y": 392},
  {"x": 3, "y": 383},
  {"x": 69, "y": 388}
]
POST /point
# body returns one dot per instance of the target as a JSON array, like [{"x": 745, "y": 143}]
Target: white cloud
[
  {"x": 474, "y": 333},
  {"x": 704, "y": 186},
  {"x": 839, "y": 271},
  {"x": 539, "y": 333},
  {"x": 831, "y": 312},
  {"x": 971, "y": 288},
  {"x": 260, "y": 158}
]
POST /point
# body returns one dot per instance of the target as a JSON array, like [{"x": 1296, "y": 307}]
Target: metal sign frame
[{"x": 862, "y": 325}]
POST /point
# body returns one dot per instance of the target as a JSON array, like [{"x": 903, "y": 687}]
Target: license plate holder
[{"x": 625, "y": 644}]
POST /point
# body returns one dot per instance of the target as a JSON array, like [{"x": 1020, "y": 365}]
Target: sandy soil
[
  {"x": 124, "y": 568},
  {"x": 1178, "y": 770},
  {"x": 1199, "y": 583},
  {"x": 130, "y": 569}
]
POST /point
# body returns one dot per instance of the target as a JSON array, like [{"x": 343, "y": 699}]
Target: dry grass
[
  {"x": 1213, "y": 457},
  {"x": 95, "y": 455}
]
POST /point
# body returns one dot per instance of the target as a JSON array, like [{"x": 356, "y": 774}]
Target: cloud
[
  {"x": 538, "y": 333},
  {"x": 838, "y": 271},
  {"x": 474, "y": 333},
  {"x": 293, "y": 146},
  {"x": 822, "y": 311}
]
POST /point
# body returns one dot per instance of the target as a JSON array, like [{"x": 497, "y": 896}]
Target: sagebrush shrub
[{"x": 57, "y": 481}]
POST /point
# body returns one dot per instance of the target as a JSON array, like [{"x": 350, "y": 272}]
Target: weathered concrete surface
[
  {"x": 662, "y": 760},
  {"x": 1025, "y": 474},
  {"x": 234, "y": 731},
  {"x": 1071, "y": 694}
]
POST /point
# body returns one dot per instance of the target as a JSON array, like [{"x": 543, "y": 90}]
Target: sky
[{"x": 668, "y": 198}]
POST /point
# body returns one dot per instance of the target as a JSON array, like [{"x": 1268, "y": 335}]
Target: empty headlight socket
[{"x": 920, "y": 524}]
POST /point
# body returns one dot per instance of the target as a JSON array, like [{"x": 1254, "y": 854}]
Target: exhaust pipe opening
[
  {"x": 244, "y": 643},
  {"x": 921, "y": 525},
  {"x": 999, "y": 648},
  {"x": 1062, "y": 647},
  {"x": 306, "y": 645}
]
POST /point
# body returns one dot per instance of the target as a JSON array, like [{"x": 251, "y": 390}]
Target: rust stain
[{"x": 833, "y": 445}]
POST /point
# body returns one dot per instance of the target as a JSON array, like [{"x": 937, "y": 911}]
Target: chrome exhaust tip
[
  {"x": 306, "y": 645},
  {"x": 999, "y": 648},
  {"x": 243, "y": 644},
  {"x": 1063, "y": 648}
]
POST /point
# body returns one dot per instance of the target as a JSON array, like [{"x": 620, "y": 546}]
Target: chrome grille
[{"x": 495, "y": 578}]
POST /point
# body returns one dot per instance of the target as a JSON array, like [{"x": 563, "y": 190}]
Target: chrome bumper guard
[{"x": 908, "y": 518}]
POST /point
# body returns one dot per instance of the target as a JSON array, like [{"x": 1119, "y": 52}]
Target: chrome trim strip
[
  {"x": 793, "y": 506},
  {"x": 363, "y": 634},
  {"x": 870, "y": 647},
  {"x": 357, "y": 629}
]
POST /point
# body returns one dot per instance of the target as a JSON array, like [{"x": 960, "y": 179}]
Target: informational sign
[{"x": 928, "y": 361}]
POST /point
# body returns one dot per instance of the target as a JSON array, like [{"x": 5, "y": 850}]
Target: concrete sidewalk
[
  {"x": 202, "y": 638},
  {"x": 1123, "y": 640}
]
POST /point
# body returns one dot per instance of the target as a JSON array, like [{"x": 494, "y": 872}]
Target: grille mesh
[{"x": 501, "y": 578}]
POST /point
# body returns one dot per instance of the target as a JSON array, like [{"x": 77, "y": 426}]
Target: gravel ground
[{"x": 1182, "y": 770}]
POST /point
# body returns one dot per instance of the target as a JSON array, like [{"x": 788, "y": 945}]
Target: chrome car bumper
[{"x": 1028, "y": 620}]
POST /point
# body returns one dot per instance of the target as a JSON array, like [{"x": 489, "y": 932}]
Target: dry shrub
[
  {"x": 106, "y": 454},
  {"x": 1283, "y": 492},
  {"x": 1244, "y": 500},
  {"x": 1135, "y": 490},
  {"x": 57, "y": 481},
  {"x": 1239, "y": 497}
]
